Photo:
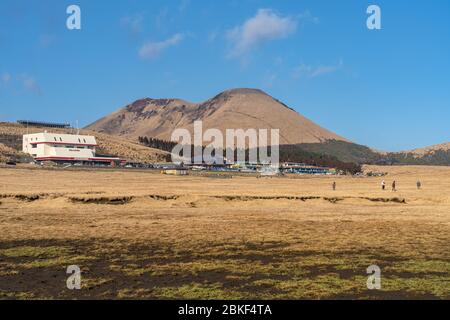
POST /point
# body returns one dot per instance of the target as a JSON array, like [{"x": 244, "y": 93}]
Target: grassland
[{"x": 138, "y": 234}]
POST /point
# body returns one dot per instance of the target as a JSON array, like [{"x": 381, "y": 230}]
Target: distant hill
[
  {"x": 232, "y": 109},
  {"x": 438, "y": 154},
  {"x": 430, "y": 149},
  {"x": 351, "y": 152}
]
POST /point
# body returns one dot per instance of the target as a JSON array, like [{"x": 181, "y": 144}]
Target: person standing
[
  {"x": 383, "y": 185},
  {"x": 394, "y": 186},
  {"x": 419, "y": 185},
  {"x": 334, "y": 185}
]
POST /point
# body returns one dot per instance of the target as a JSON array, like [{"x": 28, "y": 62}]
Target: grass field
[{"x": 146, "y": 235}]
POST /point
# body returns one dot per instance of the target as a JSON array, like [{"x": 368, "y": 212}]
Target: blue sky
[{"x": 388, "y": 88}]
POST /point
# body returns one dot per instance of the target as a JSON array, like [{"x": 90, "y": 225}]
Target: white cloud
[
  {"x": 184, "y": 4},
  {"x": 212, "y": 36},
  {"x": 152, "y": 50},
  {"x": 24, "y": 81},
  {"x": 308, "y": 17},
  {"x": 265, "y": 26},
  {"x": 30, "y": 83},
  {"x": 46, "y": 40},
  {"x": 163, "y": 18},
  {"x": 133, "y": 22},
  {"x": 5, "y": 78},
  {"x": 309, "y": 71},
  {"x": 269, "y": 80}
]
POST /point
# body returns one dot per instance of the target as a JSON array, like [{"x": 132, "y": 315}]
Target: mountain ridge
[{"x": 239, "y": 108}]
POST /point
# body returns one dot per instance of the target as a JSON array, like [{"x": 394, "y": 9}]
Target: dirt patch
[
  {"x": 88, "y": 199},
  {"x": 333, "y": 200},
  {"x": 306, "y": 198},
  {"x": 119, "y": 200},
  {"x": 163, "y": 198},
  {"x": 24, "y": 197},
  {"x": 385, "y": 200}
]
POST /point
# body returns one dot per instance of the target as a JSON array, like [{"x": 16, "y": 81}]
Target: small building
[
  {"x": 30, "y": 123},
  {"x": 175, "y": 172},
  {"x": 301, "y": 168},
  {"x": 64, "y": 148}
]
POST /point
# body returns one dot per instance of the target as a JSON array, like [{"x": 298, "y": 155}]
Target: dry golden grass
[
  {"x": 6, "y": 153},
  {"x": 140, "y": 234}
]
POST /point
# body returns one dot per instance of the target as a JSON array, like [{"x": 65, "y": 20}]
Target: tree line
[{"x": 288, "y": 153}]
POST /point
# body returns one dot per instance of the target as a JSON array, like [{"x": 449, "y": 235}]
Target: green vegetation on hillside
[
  {"x": 352, "y": 152},
  {"x": 344, "y": 151}
]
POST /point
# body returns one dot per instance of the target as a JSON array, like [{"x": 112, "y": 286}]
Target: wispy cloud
[
  {"x": 30, "y": 83},
  {"x": 163, "y": 18},
  {"x": 307, "y": 17},
  {"x": 184, "y": 4},
  {"x": 152, "y": 50},
  {"x": 22, "y": 82},
  {"x": 269, "y": 80},
  {"x": 265, "y": 26},
  {"x": 46, "y": 40},
  {"x": 310, "y": 71},
  {"x": 5, "y": 78},
  {"x": 134, "y": 23},
  {"x": 212, "y": 35}
]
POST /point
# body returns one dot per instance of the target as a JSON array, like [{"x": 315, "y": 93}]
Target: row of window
[
  {"x": 72, "y": 147},
  {"x": 79, "y": 140},
  {"x": 34, "y": 145},
  {"x": 60, "y": 139}
]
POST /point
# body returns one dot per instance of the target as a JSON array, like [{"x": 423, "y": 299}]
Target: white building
[{"x": 63, "y": 148}]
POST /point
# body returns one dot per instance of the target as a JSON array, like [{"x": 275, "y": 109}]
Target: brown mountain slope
[{"x": 233, "y": 109}]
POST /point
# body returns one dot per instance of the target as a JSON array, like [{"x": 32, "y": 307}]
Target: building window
[
  {"x": 55, "y": 138},
  {"x": 34, "y": 145},
  {"x": 84, "y": 140},
  {"x": 60, "y": 139}
]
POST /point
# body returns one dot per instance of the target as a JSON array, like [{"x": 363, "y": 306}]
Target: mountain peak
[
  {"x": 235, "y": 92},
  {"x": 245, "y": 91}
]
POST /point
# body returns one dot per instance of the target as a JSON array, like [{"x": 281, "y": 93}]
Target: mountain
[
  {"x": 232, "y": 109},
  {"x": 301, "y": 139}
]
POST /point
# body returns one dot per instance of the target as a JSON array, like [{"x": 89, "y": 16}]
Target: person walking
[
  {"x": 383, "y": 185},
  {"x": 394, "y": 186}
]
